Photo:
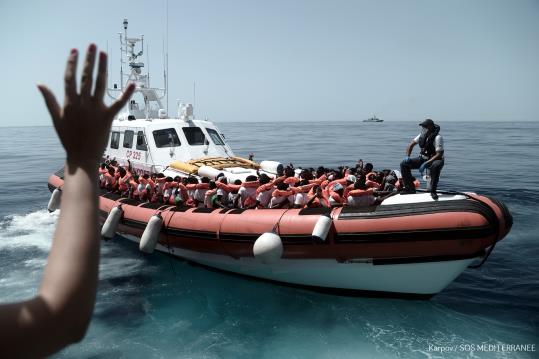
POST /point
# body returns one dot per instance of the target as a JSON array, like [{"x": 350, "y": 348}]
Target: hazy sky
[{"x": 293, "y": 60}]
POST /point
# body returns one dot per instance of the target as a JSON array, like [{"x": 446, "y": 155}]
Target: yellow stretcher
[{"x": 219, "y": 163}]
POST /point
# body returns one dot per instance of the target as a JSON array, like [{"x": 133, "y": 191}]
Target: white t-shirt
[
  {"x": 200, "y": 195},
  {"x": 301, "y": 199},
  {"x": 246, "y": 192},
  {"x": 279, "y": 200},
  {"x": 438, "y": 142},
  {"x": 264, "y": 197}
]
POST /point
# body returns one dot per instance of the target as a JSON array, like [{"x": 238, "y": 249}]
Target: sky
[{"x": 292, "y": 60}]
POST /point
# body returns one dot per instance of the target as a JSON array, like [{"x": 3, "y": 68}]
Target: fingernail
[
  {"x": 91, "y": 47},
  {"x": 73, "y": 51},
  {"x": 102, "y": 56}
]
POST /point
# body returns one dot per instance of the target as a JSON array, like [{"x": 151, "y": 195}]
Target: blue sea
[{"x": 160, "y": 307}]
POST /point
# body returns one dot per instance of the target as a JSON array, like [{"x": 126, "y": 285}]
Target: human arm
[
  {"x": 410, "y": 148},
  {"x": 61, "y": 311}
]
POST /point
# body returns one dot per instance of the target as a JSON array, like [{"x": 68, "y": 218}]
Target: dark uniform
[{"x": 430, "y": 143}]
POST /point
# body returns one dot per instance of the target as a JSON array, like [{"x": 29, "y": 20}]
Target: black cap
[{"x": 428, "y": 123}]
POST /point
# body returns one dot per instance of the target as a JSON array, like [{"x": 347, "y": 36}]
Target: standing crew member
[{"x": 431, "y": 156}]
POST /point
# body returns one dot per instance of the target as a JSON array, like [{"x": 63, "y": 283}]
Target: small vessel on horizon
[{"x": 373, "y": 119}]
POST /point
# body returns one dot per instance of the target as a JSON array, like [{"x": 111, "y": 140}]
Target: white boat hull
[{"x": 423, "y": 279}]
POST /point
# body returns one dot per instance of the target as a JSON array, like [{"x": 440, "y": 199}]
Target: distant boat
[{"x": 373, "y": 119}]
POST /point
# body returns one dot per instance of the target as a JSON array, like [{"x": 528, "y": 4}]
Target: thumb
[{"x": 52, "y": 104}]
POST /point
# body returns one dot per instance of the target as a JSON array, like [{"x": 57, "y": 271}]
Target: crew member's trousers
[{"x": 414, "y": 163}]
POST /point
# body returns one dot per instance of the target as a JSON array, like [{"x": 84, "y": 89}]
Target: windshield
[
  {"x": 215, "y": 137},
  {"x": 166, "y": 138}
]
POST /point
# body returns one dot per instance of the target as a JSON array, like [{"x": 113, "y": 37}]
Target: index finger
[{"x": 70, "y": 81}]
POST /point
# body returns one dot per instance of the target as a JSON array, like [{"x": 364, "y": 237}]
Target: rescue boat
[{"x": 407, "y": 246}]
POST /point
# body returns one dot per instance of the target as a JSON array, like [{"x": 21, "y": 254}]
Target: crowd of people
[{"x": 353, "y": 186}]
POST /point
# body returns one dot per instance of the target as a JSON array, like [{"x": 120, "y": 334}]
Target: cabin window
[
  {"x": 141, "y": 141},
  {"x": 194, "y": 136},
  {"x": 128, "y": 138},
  {"x": 215, "y": 137},
  {"x": 166, "y": 138},
  {"x": 115, "y": 139}
]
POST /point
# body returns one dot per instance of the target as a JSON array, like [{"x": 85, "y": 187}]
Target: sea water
[{"x": 156, "y": 306}]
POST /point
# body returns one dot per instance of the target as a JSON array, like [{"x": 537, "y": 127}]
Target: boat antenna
[
  {"x": 194, "y": 97},
  {"x": 166, "y": 56}
]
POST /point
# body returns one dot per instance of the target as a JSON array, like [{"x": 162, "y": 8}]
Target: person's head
[
  {"x": 135, "y": 178},
  {"x": 289, "y": 171},
  {"x": 427, "y": 125},
  {"x": 320, "y": 171},
  {"x": 303, "y": 182},
  {"x": 111, "y": 171},
  {"x": 264, "y": 178},
  {"x": 237, "y": 182},
  {"x": 103, "y": 166},
  {"x": 146, "y": 176},
  {"x": 169, "y": 179},
  {"x": 223, "y": 179},
  {"x": 350, "y": 179},
  {"x": 212, "y": 185},
  {"x": 306, "y": 174},
  {"x": 361, "y": 183},
  {"x": 282, "y": 186},
  {"x": 205, "y": 180},
  {"x": 160, "y": 175},
  {"x": 368, "y": 167},
  {"x": 251, "y": 178},
  {"x": 177, "y": 179},
  {"x": 122, "y": 171}
]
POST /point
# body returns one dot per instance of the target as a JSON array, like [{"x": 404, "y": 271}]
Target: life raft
[{"x": 410, "y": 245}]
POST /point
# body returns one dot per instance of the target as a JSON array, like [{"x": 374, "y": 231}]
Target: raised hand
[{"x": 83, "y": 123}]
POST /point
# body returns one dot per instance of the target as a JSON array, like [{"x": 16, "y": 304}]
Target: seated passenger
[
  {"x": 233, "y": 195},
  {"x": 265, "y": 190},
  {"x": 318, "y": 199},
  {"x": 335, "y": 195},
  {"x": 247, "y": 191},
  {"x": 361, "y": 195},
  {"x": 210, "y": 195},
  {"x": 200, "y": 192},
  {"x": 110, "y": 179},
  {"x": 282, "y": 197},
  {"x": 301, "y": 193}
]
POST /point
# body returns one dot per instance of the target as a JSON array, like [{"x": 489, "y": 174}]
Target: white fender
[
  {"x": 149, "y": 238},
  {"x": 268, "y": 248},
  {"x": 210, "y": 172},
  {"x": 111, "y": 224},
  {"x": 322, "y": 226},
  {"x": 54, "y": 202},
  {"x": 273, "y": 167}
]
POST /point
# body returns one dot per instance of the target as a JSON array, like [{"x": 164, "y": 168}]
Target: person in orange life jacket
[
  {"x": 301, "y": 193},
  {"x": 431, "y": 156},
  {"x": 335, "y": 194},
  {"x": 264, "y": 191},
  {"x": 247, "y": 191},
  {"x": 318, "y": 199},
  {"x": 282, "y": 197},
  {"x": 233, "y": 196},
  {"x": 200, "y": 193},
  {"x": 221, "y": 195}
]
